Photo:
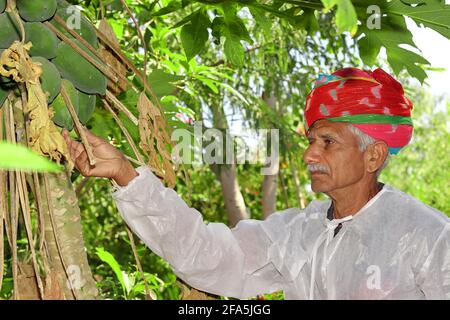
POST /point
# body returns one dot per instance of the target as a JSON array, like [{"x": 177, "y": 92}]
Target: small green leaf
[
  {"x": 234, "y": 91},
  {"x": 161, "y": 82},
  {"x": 108, "y": 258},
  {"x": 171, "y": 7},
  {"x": 218, "y": 27},
  {"x": 307, "y": 21},
  {"x": 186, "y": 19},
  {"x": 19, "y": 157},
  {"x": 328, "y": 4},
  {"x": 195, "y": 34},
  {"x": 117, "y": 27},
  {"x": 209, "y": 83},
  {"x": 234, "y": 50},
  {"x": 261, "y": 20},
  {"x": 346, "y": 19},
  {"x": 238, "y": 28}
]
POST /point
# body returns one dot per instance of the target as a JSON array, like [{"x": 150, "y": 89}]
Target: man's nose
[{"x": 312, "y": 154}]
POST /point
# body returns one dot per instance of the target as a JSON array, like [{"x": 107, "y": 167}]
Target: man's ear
[{"x": 375, "y": 155}]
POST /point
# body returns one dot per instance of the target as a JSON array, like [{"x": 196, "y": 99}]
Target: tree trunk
[
  {"x": 270, "y": 183},
  {"x": 232, "y": 196},
  {"x": 227, "y": 175},
  {"x": 67, "y": 272},
  {"x": 299, "y": 193},
  {"x": 64, "y": 239},
  {"x": 269, "y": 199}
]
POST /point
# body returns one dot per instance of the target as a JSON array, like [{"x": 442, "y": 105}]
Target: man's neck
[{"x": 349, "y": 200}]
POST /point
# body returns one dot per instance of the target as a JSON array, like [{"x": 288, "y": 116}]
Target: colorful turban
[{"x": 372, "y": 101}]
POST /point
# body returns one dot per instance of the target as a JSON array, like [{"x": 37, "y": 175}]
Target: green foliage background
[
  {"x": 207, "y": 55},
  {"x": 420, "y": 170}
]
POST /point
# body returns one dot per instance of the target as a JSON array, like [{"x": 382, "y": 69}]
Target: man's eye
[{"x": 329, "y": 141}]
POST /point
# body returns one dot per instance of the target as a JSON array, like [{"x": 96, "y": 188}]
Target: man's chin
[{"x": 318, "y": 187}]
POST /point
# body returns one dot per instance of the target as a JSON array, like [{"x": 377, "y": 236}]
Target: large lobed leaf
[{"x": 393, "y": 33}]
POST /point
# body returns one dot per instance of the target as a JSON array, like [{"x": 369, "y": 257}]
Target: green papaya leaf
[
  {"x": 434, "y": 14},
  {"x": 2, "y": 5},
  {"x": 400, "y": 58},
  {"x": 393, "y": 34}
]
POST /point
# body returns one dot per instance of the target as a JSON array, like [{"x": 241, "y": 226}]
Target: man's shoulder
[
  {"x": 313, "y": 209},
  {"x": 407, "y": 207},
  {"x": 285, "y": 216}
]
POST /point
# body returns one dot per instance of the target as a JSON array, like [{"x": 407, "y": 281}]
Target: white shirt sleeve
[
  {"x": 210, "y": 257},
  {"x": 434, "y": 278}
]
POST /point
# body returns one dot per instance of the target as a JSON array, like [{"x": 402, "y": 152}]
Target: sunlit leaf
[
  {"x": 109, "y": 259},
  {"x": 21, "y": 158}
]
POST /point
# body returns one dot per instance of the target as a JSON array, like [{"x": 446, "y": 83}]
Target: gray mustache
[{"x": 317, "y": 168}]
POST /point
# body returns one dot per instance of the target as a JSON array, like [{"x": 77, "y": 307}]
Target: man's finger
[
  {"x": 69, "y": 141},
  {"x": 78, "y": 151},
  {"x": 75, "y": 149},
  {"x": 66, "y": 137},
  {"x": 92, "y": 138},
  {"x": 82, "y": 159},
  {"x": 82, "y": 164}
]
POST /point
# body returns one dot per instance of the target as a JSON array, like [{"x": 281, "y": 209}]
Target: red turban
[{"x": 372, "y": 101}]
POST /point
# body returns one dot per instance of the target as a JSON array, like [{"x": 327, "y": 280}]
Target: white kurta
[{"x": 395, "y": 247}]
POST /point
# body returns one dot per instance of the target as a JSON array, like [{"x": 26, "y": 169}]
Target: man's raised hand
[{"x": 110, "y": 162}]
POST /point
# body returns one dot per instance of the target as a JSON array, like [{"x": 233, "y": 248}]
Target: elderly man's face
[{"x": 334, "y": 157}]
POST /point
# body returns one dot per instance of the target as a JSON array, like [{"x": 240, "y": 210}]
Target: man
[{"x": 369, "y": 241}]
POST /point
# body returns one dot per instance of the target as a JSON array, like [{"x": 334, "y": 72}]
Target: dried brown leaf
[
  {"x": 43, "y": 136},
  {"x": 105, "y": 28},
  {"x": 107, "y": 54},
  {"x": 193, "y": 294},
  {"x": 154, "y": 138}
]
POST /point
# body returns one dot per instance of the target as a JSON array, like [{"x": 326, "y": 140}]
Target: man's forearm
[{"x": 210, "y": 257}]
